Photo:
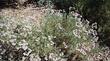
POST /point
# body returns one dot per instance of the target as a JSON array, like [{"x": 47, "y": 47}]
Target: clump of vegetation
[
  {"x": 68, "y": 35},
  {"x": 72, "y": 37}
]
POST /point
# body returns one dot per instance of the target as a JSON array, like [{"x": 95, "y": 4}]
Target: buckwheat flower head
[
  {"x": 78, "y": 19},
  {"x": 24, "y": 47},
  {"x": 76, "y": 15},
  {"x": 23, "y": 44},
  {"x": 48, "y": 45},
  {"x": 13, "y": 41},
  {"x": 53, "y": 57},
  {"x": 79, "y": 24},
  {"x": 60, "y": 26},
  {"x": 34, "y": 57},
  {"x": 82, "y": 51},
  {"x": 3, "y": 51},
  {"x": 43, "y": 37},
  {"x": 95, "y": 38},
  {"x": 37, "y": 40},
  {"x": 28, "y": 27},
  {"x": 94, "y": 25},
  {"x": 92, "y": 32},
  {"x": 84, "y": 37},
  {"x": 50, "y": 38},
  {"x": 52, "y": 43},
  {"x": 63, "y": 59},
  {"x": 65, "y": 45},
  {"x": 27, "y": 53},
  {"x": 76, "y": 33}
]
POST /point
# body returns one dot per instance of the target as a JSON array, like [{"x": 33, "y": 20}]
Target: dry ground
[{"x": 29, "y": 13}]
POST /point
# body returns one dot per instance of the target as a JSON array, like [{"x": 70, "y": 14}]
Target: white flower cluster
[
  {"x": 16, "y": 32},
  {"x": 102, "y": 55},
  {"x": 84, "y": 30},
  {"x": 24, "y": 34},
  {"x": 24, "y": 45},
  {"x": 55, "y": 57},
  {"x": 85, "y": 47},
  {"x": 34, "y": 57},
  {"x": 54, "y": 12},
  {"x": 50, "y": 57}
]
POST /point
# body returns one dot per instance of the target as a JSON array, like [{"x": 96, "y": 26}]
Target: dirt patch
[{"x": 29, "y": 13}]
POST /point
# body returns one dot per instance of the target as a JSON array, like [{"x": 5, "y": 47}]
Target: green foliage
[{"x": 62, "y": 32}]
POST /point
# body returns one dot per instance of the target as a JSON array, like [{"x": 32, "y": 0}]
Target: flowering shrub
[
  {"x": 73, "y": 34},
  {"x": 24, "y": 34},
  {"x": 65, "y": 38},
  {"x": 56, "y": 39}
]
